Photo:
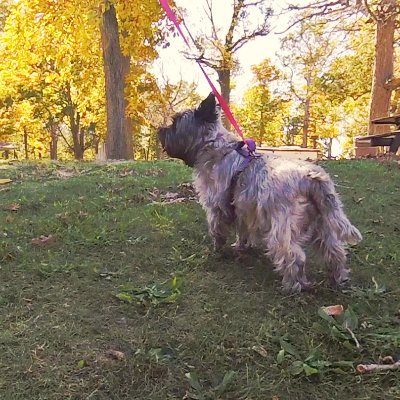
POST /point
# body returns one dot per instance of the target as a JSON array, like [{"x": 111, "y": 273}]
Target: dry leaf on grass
[
  {"x": 334, "y": 310},
  {"x": 5, "y": 181},
  {"x": 11, "y": 207},
  {"x": 127, "y": 172},
  {"x": 43, "y": 240},
  {"x": 260, "y": 350},
  {"x": 28, "y": 302},
  {"x": 67, "y": 173},
  {"x": 115, "y": 354},
  {"x": 358, "y": 200}
]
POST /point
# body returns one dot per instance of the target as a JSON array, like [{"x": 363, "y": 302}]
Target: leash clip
[{"x": 251, "y": 146}]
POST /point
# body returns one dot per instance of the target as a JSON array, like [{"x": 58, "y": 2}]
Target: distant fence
[{"x": 295, "y": 152}]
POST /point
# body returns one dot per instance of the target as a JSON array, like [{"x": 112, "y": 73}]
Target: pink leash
[{"x": 250, "y": 143}]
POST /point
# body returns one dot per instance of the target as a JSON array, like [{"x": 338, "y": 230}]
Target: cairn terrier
[{"x": 274, "y": 203}]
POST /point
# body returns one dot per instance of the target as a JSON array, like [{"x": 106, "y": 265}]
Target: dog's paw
[
  {"x": 240, "y": 247},
  {"x": 341, "y": 280},
  {"x": 218, "y": 244},
  {"x": 299, "y": 287}
]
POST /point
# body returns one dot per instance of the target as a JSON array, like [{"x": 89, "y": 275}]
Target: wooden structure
[
  {"x": 297, "y": 152},
  {"x": 373, "y": 145},
  {"x": 6, "y": 148}
]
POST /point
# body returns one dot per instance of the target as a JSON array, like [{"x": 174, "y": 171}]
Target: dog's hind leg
[
  {"x": 330, "y": 208},
  {"x": 287, "y": 255},
  {"x": 334, "y": 255}
]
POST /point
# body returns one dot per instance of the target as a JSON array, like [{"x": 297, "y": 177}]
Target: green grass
[{"x": 60, "y": 315}]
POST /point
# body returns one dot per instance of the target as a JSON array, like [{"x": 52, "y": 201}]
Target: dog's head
[{"x": 190, "y": 131}]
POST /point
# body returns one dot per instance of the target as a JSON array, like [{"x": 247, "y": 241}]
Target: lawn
[{"x": 109, "y": 290}]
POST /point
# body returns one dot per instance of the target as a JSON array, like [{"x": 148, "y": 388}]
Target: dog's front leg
[
  {"x": 242, "y": 243},
  {"x": 218, "y": 226}
]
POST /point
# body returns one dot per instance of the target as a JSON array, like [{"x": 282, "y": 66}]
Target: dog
[{"x": 274, "y": 203}]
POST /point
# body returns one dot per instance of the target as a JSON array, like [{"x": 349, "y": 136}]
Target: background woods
[{"x": 77, "y": 75}]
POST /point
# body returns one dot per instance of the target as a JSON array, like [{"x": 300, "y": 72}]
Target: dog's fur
[{"x": 276, "y": 203}]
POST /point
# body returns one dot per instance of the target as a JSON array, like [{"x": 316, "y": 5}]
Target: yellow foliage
[{"x": 51, "y": 64}]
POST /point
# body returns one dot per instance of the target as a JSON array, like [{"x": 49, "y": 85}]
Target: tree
[
  {"x": 263, "y": 111},
  {"x": 250, "y": 19},
  {"x": 346, "y": 93},
  {"x": 51, "y": 55},
  {"x": 129, "y": 39},
  {"x": 116, "y": 69},
  {"x": 4, "y": 12},
  {"x": 307, "y": 53},
  {"x": 385, "y": 19},
  {"x": 60, "y": 78},
  {"x": 384, "y": 14}
]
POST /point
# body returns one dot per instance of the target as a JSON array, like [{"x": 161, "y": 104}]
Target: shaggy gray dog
[{"x": 274, "y": 203}]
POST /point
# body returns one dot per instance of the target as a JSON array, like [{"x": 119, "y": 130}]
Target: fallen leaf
[
  {"x": 5, "y": 181},
  {"x": 155, "y": 172},
  {"x": 43, "y": 240},
  {"x": 67, "y": 173},
  {"x": 115, "y": 354},
  {"x": 334, "y": 310},
  {"x": 12, "y": 207},
  {"x": 388, "y": 360},
  {"x": 358, "y": 200},
  {"x": 169, "y": 195},
  {"x": 260, "y": 350},
  {"x": 127, "y": 172}
]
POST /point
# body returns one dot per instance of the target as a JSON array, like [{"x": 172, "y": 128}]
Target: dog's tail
[{"x": 325, "y": 198}]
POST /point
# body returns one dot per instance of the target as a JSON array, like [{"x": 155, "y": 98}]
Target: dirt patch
[{"x": 184, "y": 193}]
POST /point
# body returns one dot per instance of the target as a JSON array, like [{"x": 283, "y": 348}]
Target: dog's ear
[{"x": 207, "y": 110}]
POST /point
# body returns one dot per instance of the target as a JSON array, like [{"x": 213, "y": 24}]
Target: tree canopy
[{"x": 55, "y": 87}]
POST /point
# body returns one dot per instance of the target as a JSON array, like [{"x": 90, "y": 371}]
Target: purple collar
[{"x": 247, "y": 151}]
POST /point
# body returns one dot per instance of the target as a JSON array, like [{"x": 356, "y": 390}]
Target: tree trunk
[
  {"x": 306, "y": 121},
  {"x": 26, "y": 144},
  {"x": 53, "y": 142},
  {"x": 77, "y": 135},
  {"x": 261, "y": 136},
  {"x": 224, "y": 80},
  {"x": 383, "y": 67},
  {"x": 116, "y": 68},
  {"x": 329, "y": 148}
]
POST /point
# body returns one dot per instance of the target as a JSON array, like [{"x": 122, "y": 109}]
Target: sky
[{"x": 173, "y": 64}]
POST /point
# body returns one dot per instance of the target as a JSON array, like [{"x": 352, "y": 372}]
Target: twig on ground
[
  {"x": 353, "y": 336},
  {"x": 365, "y": 368}
]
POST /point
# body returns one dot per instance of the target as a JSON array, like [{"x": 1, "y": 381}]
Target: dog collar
[{"x": 248, "y": 151}]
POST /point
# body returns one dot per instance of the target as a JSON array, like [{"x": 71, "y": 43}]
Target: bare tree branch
[
  {"x": 392, "y": 84},
  {"x": 65, "y": 139},
  {"x": 327, "y": 9},
  {"x": 210, "y": 16},
  {"x": 236, "y": 9},
  {"x": 244, "y": 39},
  {"x": 368, "y": 8},
  {"x": 202, "y": 59}
]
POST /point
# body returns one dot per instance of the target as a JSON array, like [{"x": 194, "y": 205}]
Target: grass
[{"x": 127, "y": 301}]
